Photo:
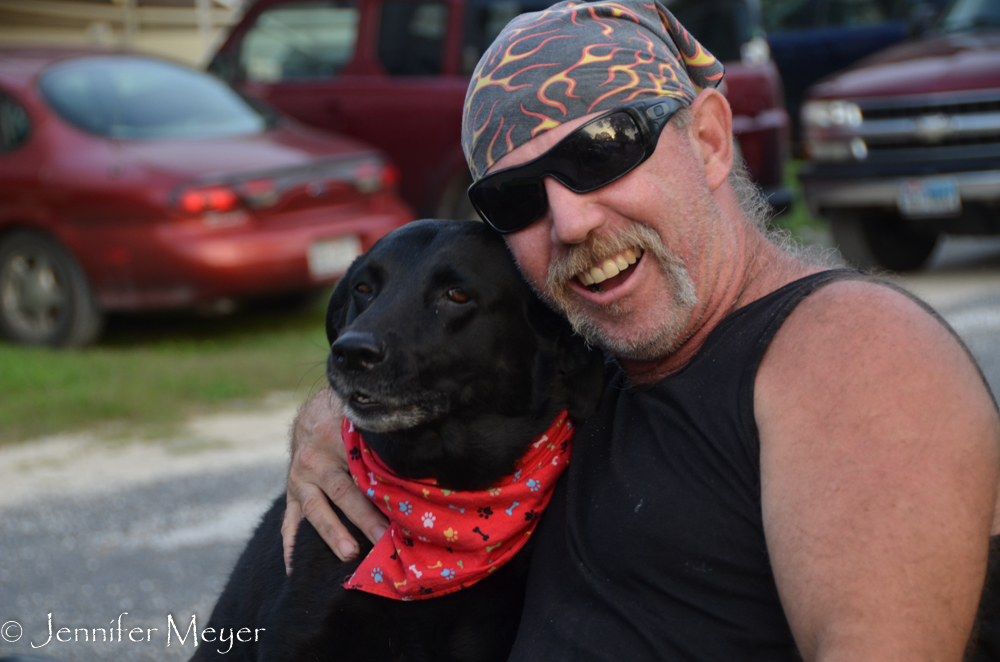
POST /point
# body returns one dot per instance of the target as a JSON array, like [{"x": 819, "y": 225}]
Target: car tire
[
  {"x": 871, "y": 240},
  {"x": 45, "y": 298}
]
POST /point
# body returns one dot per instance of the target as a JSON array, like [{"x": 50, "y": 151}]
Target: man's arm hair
[
  {"x": 879, "y": 468},
  {"x": 318, "y": 470}
]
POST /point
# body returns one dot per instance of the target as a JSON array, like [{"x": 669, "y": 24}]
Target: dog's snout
[{"x": 357, "y": 351}]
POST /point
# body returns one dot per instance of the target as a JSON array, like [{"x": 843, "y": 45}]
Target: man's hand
[{"x": 318, "y": 470}]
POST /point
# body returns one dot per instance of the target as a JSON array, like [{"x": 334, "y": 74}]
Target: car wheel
[
  {"x": 45, "y": 298},
  {"x": 871, "y": 240}
]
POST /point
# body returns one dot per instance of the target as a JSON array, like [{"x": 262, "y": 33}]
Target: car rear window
[
  {"x": 299, "y": 41},
  {"x": 133, "y": 97}
]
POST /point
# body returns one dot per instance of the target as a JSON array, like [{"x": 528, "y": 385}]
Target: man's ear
[{"x": 711, "y": 132}]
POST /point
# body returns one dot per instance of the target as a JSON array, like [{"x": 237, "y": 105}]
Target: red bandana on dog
[{"x": 440, "y": 541}]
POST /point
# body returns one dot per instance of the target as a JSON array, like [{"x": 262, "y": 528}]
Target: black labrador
[{"x": 450, "y": 366}]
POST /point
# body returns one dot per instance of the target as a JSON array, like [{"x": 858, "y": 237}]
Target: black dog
[{"x": 450, "y": 366}]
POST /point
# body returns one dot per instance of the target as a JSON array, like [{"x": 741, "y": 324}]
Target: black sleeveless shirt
[{"x": 653, "y": 545}]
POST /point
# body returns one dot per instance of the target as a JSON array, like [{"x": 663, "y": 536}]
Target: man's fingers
[
  {"x": 289, "y": 525},
  {"x": 355, "y": 505},
  {"x": 317, "y": 510}
]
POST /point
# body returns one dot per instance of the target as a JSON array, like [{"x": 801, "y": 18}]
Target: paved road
[{"x": 90, "y": 530}]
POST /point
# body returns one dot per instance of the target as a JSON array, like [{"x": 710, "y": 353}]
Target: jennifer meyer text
[{"x": 174, "y": 633}]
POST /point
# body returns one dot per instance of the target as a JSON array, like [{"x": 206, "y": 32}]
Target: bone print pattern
[{"x": 440, "y": 540}]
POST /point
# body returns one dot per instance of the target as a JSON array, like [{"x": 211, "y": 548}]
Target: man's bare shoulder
[
  {"x": 879, "y": 465},
  {"x": 866, "y": 326},
  {"x": 861, "y": 348}
]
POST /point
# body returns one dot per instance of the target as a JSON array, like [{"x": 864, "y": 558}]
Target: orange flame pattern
[{"x": 572, "y": 59}]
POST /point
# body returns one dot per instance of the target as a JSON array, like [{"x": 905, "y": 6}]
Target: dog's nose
[{"x": 356, "y": 351}]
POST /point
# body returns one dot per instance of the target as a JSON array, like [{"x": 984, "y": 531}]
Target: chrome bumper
[{"x": 838, "y": 194}]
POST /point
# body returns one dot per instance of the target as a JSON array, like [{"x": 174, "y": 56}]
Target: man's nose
[{"x": 574, "y": 215}]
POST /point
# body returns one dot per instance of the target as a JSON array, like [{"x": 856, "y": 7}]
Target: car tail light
[
  {"x": 390, "y": 176},
  {"x": 201, "y": 199}
]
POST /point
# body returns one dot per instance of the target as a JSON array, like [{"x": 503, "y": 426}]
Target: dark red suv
[{"x": 394, "y": 73}]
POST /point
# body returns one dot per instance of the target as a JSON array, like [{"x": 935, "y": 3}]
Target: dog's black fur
[{"x": 451, "y": 366}]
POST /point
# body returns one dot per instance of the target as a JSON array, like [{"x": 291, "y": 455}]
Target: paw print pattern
[
  {"x": 370, "y": 493},
  {"x": 448, "y": 574},
  {"x": 530, "y": 516},
  {"x": 377, "y": 575},
  {"x": 355, "y": 454},
  {"x": 495, "y": 491},
  {"x": 428, "y": 520},
  {"x": 451, "y": 534},
  {"x": 533, "y": 485},
  {"x": 485, "y": 512},
  {"x": 516, "y": 477},
  {"x": 405, "y": 507}
]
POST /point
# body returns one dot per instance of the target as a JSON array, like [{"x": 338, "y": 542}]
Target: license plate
[
  {"x": 918, "y": 198},
  {"x": 332, "y": 257}
]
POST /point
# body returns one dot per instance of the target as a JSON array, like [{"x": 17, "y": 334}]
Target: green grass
[
  {"x": 797, "y": 220},
  {"x": 152, "y": 371}
]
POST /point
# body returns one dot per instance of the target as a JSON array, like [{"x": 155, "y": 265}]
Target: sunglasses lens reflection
[
  {"x": 598, "y": 153},
  {"x": 594, "y": 155}
]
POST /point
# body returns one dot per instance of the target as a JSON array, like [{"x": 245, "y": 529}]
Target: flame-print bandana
[
  {"x": 439, "y": 540},
  {"x": 572, "y": 59}
]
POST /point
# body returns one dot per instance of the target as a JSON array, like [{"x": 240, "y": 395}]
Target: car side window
[
  {"x": 855, "y": 13},
  {"x": 15, "y": 126},
  {"x": 300, "y": 41},
  {"x": 411, "y": 37}
]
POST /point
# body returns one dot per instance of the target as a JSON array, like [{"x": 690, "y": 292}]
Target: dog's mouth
[
  {"x": 610, "y": 273},
  {"x": 376, "y": 408},
  {"x": 363, "y": 401}
]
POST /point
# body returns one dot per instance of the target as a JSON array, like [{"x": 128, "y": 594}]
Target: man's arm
[
  {"x": 318, "y": 470},
  {"x": 879, "y": 469}
]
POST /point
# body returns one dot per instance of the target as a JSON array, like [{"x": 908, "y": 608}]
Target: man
[{"x": 787, "y": 461}]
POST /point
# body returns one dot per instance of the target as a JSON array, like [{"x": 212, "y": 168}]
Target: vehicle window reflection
[{"x": 300, "y": 41}]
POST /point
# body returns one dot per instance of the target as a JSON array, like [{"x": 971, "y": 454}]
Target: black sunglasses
[{"x": 599, "y": 152}]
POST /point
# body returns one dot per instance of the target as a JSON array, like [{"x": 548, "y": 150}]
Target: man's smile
[{"x": 608, "y": 270}]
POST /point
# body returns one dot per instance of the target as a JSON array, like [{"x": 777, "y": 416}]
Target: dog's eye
[
  {"x": 362, "y": 288},
  {"x": 457, "y": 295}
]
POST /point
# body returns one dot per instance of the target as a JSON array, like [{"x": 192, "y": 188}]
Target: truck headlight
[{"x": 831, "y": 114}]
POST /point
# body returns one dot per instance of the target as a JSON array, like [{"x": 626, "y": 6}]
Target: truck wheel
[
  {"x": 871, "y": 240},
  {"x": 45, "y": 298}
]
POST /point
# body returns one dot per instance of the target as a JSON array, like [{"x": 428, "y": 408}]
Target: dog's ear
[
  {"x": 340, "y": 303},
  {"x": 580, "y": 377}
]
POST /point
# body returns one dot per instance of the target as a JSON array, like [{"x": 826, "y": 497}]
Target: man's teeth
[{"x": 610, "y": 267}]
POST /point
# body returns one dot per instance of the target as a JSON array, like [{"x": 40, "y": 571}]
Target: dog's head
[{"x": 435, "y": 322}]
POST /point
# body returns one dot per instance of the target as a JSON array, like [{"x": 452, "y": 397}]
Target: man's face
[{"x": 654, "y": 226}]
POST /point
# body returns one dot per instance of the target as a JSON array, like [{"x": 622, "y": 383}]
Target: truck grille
[{"x": 937, "y": 126}]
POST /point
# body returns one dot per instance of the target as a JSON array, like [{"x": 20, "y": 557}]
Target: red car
[
  {"x": 394, "y": 73},
  {"x": 129, "y": 183}
]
